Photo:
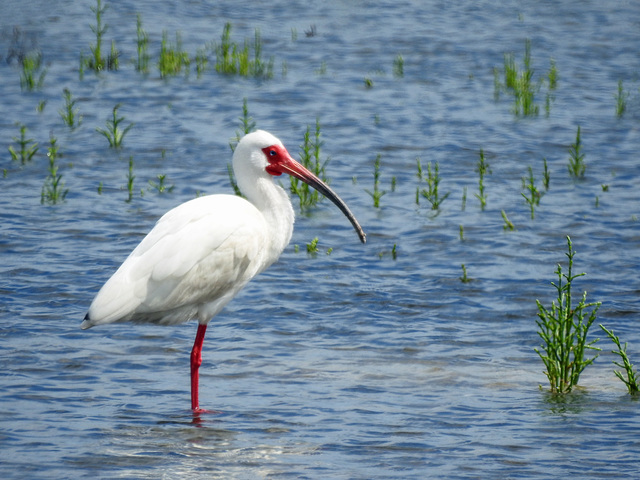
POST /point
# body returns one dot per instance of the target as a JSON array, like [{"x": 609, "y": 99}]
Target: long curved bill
[{"x": 297, "y": 170}]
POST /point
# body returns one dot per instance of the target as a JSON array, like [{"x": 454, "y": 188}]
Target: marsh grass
[
  {"x": 576, "y": 166},
  {"x": 173, "y": 59},
  {"x": 247, "y": 125},
  {"x": 631, "y": 380},
  {"x": 398, "y": 66},
  {"x": 53, "y": 190},
  {"x": 483, "y": 169},
  {"x": 376, "y": 194},
  {"x": 202, "y": 61},
  {"x": 231, "y": 59},
  {"x": 27, "y": 147},
  {"x": 552, "y": 79},
  {"x": 161, "y": 186},
  {"x": 432, "y": 179},
  {"x": 32, "y": 74},
  {"x": 621, "y": 100},
  {"x": 69, "y": 113},
  {"x": 113, "y": 60},
  {"x": 464, "y": 278},
  {"x": 130, "y": 178},
  {"x": 546, "y": 175},
  {"x": 97, "y": 61},
  {"x": 533, "y": 199},
  {"x": 508, "y": 224},
  {"x": 563, "y": 329},
  {"x": 114, "y": 133},
  {"x": 310, "y": 158},
  {"x": 521, "y": 83},
  {"x": 142, "y": 43},
  {"x": 312, "y": 246}
]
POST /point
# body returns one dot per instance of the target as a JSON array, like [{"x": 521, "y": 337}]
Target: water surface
[{"x": 348, "y": 365}]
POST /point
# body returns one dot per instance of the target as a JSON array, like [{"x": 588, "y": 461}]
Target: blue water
[{"x": 348, "y": 365}]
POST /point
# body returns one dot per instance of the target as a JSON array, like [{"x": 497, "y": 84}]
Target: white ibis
[{"x": 201, "y": 253}]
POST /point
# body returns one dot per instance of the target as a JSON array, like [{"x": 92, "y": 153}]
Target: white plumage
[{"x": 200, "y": 254}]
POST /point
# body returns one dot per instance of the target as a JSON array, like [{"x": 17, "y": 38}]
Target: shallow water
[{"x": 348, "y": 365}]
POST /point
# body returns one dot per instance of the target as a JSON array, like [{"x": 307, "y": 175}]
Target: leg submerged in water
[{"x": 196, "y": 361}]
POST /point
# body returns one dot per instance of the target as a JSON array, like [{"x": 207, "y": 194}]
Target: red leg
[{"x": 196, "y": 360}]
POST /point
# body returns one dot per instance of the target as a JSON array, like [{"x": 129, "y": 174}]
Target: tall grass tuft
[
  {"x": 482, "y": 169},
  {"x": 621, "y": 100},
  {"x": 577, "y": 166},
  {"x": 142, "y": 42},
  {"x": 632, "y": 380},
  {"x": 32, "y": 75},
  {"x": 563, "y": 329},
  {"x": 521, "y": 84},
  {"x": 114, "y": 133},
  {"x": 508, "y": 224},
  {"x": 398, "y": 66},
  {"x": 546, "y": 175},
  {"x": 27, "y": 147},
  {"x": 130, "y": 178},
  {"x": 172, "y": 58},
  {"x": 310, "y": 158},
  {"x": 431, "y": 193},
  {"x": 97, "y": 61},
  {"x": 69, "y": 113},
  {"x": 376, "y": 194},
  {"x": 533, "y": 199},
  {"x": 53, "y": 190},
  {"x": 231, "y": 59},
  {"x": 161, "y": 186},
  {"x": 247, "y": 125}
]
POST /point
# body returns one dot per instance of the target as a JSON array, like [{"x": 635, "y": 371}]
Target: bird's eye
[{"x": 273, "y": 153}]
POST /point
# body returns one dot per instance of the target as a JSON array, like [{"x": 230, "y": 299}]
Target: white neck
[{"x": 274, "y": 204}]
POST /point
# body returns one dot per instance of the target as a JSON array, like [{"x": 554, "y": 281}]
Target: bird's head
[{"x": 260, "y": 154}]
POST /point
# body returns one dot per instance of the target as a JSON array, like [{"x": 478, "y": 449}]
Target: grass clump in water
[
  {"x": 464, "y": 278},
  {"x": 376, "y": 194},
  {"x": 577, "y": 166},
  {"x": 69, "y": 113},
  {"x": 482, "y": 169},
  {"x": 310, "y": 158},
  {"x": 231, "y": 59},
  {"x": 431, "y": 193},
  {"x": 32, "y": 75},
  {"x": 130, "y": 178},
  {"x": 114, "y": 133},
  {"x": 533, "y": 200},
  {"x": 27, "y": 147},
  {"x": 161, "y": 186},
  {"x": 621, "y": 100},
  {"x": 97, "y": 61},
  {"x": 508, "y": 224},
  {"x": 522, "y": 85},
  {"x": 172, "y": 58},
  {"x": 563, "y": 329},
  {"x": 53, "y": 190},
  {"x": 631, "y": 381},
  {"x": 398, "y": 66},
  {"x": 142, "y": 42}
]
